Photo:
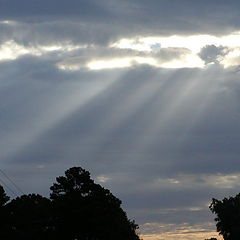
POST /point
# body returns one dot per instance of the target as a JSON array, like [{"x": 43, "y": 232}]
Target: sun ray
[{"x": 68, "y": 99}]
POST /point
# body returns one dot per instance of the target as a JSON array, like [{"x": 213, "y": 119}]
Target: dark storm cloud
[
  {"x": 56, "y": 31},
  {"x": 33, "y": 10},
  {"x": 186, "y": 15},
  {"x": 106, "y": 21}
]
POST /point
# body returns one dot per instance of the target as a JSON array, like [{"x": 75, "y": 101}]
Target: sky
[{"x": 143, "y": 94}]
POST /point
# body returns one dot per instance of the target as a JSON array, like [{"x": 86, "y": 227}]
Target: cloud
[
  {"x": 103, "y": 23},
  {"x": 102, "y": 178},
  {"x": 181, "y": 231},
  {"x": 232, "y": 58},
  {"x": 212, "y": 54},
  {"x": 129, "y": 122},
  {"x": 70, "y": 53},
  {"x": 169, "y": 135},
  {"x": 10, "y": 50},
  {"x": 132, "y": 17},
  {"x": 143, "y": 94}
]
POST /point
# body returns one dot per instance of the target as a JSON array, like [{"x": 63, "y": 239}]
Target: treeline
[{"x": 78, "y": 209}]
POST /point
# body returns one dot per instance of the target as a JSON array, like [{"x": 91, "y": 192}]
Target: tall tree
[
  {"x": 228, "y": 216},
  {"x": 85, "y": 210}
]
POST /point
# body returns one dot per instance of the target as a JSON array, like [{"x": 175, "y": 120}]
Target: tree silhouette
[
  {"x": 29, "y": 217},
  {"x": 78, "y": 209},
  {"x": 85, "y": 210},
  {"x": 228, "y": 216}
]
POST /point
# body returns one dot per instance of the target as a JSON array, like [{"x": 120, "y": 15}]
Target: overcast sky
[{"x": 143, "y": 94}]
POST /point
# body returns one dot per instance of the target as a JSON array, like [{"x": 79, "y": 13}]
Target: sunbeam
[{"x": 66, "y": 99}]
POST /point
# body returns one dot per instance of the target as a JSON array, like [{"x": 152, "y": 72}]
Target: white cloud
[
  {"x": 161, "y": 52},
  {"x": 223, "y": 181},
  {"x": 102, "y": 178},
  {"x": 191, "y": 42},
  {"x": 185, "y": 181},
  {"x": 164, "y": 52},
  {"x": 8, "y": 22},
  {"x": 120, "y": 63},
  {"x": 232, "y": 58},
  {"x": 194, "y": 43},
  {"x": 166, "y": 58},
  {"x": 10, "y": 50},
  {"x": 187, "y": 61}
]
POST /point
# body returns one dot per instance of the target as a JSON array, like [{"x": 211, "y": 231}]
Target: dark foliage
[
  {"x": 78, "y": 209},
  {"x": 28, "y": 217},
  {"x": 85, "y": 210},
  {"x": 228, "y": 216}
]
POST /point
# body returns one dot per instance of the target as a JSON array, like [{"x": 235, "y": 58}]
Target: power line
[
  {"x": 12, "y": 182},
  {"x": 7, "y": 187}
]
